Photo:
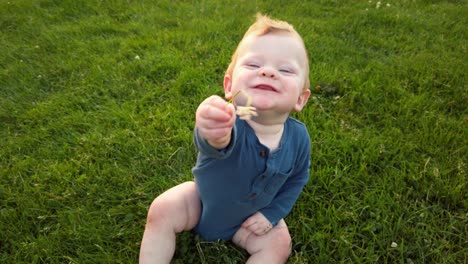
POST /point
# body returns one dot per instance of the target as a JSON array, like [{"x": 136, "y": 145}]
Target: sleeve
[
  {"x": 206, "y": 149},
  {"x": 288, "y": 194}
]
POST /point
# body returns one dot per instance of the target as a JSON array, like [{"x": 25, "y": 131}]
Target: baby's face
[{"x": 272, "y": 70}]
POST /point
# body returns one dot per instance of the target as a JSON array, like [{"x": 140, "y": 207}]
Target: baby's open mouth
[{"x": 265, "y": 87}]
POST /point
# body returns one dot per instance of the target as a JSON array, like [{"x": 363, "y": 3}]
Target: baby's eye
[
  {"x": 252, "y": 65},
  {"x": 286, "y": 70}
]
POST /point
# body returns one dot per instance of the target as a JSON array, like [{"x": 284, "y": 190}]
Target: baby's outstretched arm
[
  {"x": 214, "y": 120},
  {"x": 258, "y": 224}
]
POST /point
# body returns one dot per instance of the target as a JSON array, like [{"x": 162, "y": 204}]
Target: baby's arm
[
  {"x": 214, "y": 121},
  {"x": 279, "y": 208},
  {"x": 289, "y": 192}
]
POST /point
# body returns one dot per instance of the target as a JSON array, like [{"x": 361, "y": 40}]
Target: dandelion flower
[{"x": 244, "y": 112}]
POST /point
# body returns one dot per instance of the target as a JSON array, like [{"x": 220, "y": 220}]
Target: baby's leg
[
  {"x": 272, "y": 247},
  {"x": 174, "y": 211}
]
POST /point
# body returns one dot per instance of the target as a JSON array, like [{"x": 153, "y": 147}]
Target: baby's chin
[
  {"x": 263, "y": 104},
  {"x": 267, "y": 105}
]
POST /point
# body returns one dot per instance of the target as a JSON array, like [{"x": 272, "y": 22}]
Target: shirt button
[{"x": 263, "y": 154}]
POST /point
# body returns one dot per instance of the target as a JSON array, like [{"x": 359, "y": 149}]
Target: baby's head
[{"x": 263, "y": 26}]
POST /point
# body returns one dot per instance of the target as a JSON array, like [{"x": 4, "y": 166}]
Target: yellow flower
[{"x": 244, "y": 112}]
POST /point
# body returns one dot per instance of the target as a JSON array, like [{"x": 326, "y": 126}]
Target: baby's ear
[
  {"x": 227, "y": 86},
  {"x": 302, "y": 100}
]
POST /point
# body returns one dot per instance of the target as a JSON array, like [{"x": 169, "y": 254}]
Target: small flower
[
  {"x": 394, "y": 245},
  {"x": 246, "y": 112},
  {"x": 388, "y": 5},
  {"x": 378, "y": 5},
  {"x": 137, "y": 57}
]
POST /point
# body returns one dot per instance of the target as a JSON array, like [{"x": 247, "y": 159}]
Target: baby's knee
[
  {"x": 282, "y": 245},
  {"x": 178, "y": 208},
  {"x": 157, "y": 212}
]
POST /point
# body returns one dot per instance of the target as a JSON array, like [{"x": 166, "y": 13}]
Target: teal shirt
[{"x": 246, "y": 177}]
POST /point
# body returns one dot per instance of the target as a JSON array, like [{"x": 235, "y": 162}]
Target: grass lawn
[{"x": 97, "y": 102}]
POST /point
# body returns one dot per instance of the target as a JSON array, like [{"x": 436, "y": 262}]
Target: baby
[{"x": 251, "y": 170}]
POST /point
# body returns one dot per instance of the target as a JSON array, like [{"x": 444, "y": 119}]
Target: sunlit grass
[{"x": 97, "y": 103}]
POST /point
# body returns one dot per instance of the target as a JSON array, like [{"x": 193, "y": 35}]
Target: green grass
[{"x": 90, "y": 134}]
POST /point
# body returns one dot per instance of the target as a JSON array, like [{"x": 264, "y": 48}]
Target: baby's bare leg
[
  {"x": 174, "y": 211},
  {"x": 272, "y": 247}
]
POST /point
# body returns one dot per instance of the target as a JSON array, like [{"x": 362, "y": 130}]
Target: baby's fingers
[
  {"x": 258, "y": 229},
  {"x": 214, "y": 133},
  {"x": 214, "y": 113},
  {"x": 215, "y": 108},
  {"x": 261, "y": 229}
]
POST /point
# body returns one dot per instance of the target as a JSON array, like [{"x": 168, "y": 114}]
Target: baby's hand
[
  {"x": 258, "y": 224},
  {"x": 214, "y": 120}
]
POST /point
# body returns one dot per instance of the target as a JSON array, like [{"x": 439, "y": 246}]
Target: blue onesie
[{"x": 246, "y": 177}]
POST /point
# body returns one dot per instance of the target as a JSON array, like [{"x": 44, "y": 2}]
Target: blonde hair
[{"x": 265, "y": 25}]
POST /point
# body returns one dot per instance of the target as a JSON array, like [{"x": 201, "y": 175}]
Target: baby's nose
[{"x": 268, "y": 72}]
